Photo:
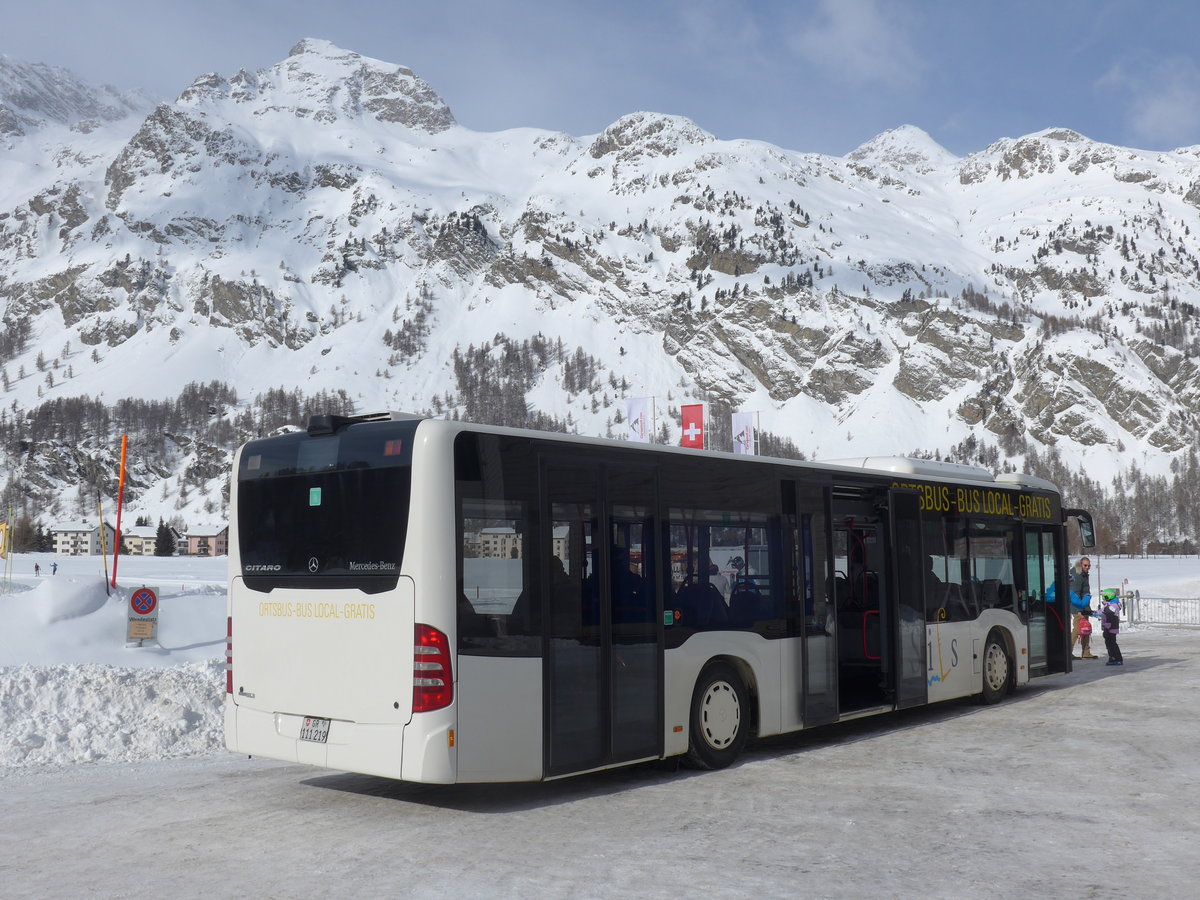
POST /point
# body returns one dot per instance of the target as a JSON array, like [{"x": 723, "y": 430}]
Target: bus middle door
[
  {"x": 862, "y": 617},
  {"x": 603, "y": 650}
]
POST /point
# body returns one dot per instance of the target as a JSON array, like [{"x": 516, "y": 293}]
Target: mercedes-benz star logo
[{"x": 313, "y": 565}]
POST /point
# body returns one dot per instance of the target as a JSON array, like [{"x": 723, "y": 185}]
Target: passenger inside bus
[
  {"x": 627, "y": 589},
  {"x": 566, "y": 606}
]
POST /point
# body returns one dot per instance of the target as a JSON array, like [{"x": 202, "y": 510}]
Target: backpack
[{"x": 1085, "y": 626}]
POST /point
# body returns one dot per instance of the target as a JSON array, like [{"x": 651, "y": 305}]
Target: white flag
[
  {"x": 743, "y": 432},
  {"x": 638, "y": 412}
]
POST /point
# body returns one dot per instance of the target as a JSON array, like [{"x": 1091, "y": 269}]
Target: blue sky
[{"x": 810, "y": 75}]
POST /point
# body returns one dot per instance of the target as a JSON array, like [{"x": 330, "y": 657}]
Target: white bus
[{"x": 443, "y": 602}]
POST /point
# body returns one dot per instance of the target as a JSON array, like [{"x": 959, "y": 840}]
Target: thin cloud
[
  {"x": 855, "y": 41},
  {"x": 708, "y": 26},
  {"x": 1162, "y": 100}
]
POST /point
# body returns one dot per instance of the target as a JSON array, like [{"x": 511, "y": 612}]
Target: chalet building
[
  {"x": 82, "y": 539},
  {"x": 211, "y": 540}
]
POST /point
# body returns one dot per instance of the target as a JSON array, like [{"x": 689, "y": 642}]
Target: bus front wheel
[
  {"x": 720, "y": 720},
  {"x": 997, "y": 670}
]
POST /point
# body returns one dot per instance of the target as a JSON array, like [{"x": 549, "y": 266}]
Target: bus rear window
[{"x": 328, "y": 511}]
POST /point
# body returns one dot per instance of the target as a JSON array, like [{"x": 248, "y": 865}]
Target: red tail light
[
  {"x": 229, "y": 655},
  {"x": 432, "y": 684}
]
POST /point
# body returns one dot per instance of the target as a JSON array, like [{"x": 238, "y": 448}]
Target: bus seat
[
  {"x": 631, "y": 605},
  {"x": 472, "y": 623},
  {"x": 872, "y": 598},
  {"x": 872, "y": 638},
  {"x": 995, "y": 594},
  {"x": 701, "y": 605},
  {"x": 748, "y": 605},
  {"x": 839, "y": 590},
  {"x": 849, "y": 635},
  {"x": 862, "y": 589}
]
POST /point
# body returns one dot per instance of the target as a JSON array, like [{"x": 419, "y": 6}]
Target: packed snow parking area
[{"x": 1080, "y": 785}]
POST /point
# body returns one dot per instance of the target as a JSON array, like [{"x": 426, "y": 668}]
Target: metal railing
[{"x": 1142, "y": 610}]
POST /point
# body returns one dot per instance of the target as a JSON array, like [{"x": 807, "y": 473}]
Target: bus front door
[
  {"x": 603, "y": 667},
  {"x": 1047, "y": 626},
  {"x": 910, "y": 671}
]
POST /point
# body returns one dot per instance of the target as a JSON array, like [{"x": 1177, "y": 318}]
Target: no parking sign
[{"x": 143, "y": 615}]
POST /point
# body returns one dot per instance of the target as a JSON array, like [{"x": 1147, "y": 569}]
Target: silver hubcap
[
  {"x": 720, "y": 715},
  {"x": 996, "y": 667}
]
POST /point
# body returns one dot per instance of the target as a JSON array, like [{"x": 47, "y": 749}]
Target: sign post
[{"x": 143, "y": 616}]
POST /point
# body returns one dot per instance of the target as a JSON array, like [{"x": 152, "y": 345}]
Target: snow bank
[
  {"x": 65, "y": 714},
  {"x": 71, "y": 691},
  {"x": 68, "y": 598}
]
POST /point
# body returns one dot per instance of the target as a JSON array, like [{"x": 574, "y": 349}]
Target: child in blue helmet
[{"x": 1110, "y": 621}]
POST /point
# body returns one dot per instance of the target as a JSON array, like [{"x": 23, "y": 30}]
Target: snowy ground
[
  {"x": 71, "y": 690},
  {"x": 1082, "y": 785}
]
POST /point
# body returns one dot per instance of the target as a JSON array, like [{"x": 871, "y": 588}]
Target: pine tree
[{"x": 164, "y": 541}]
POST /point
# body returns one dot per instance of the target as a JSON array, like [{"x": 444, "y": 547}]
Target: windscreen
[{"x": 326, "y": 511}]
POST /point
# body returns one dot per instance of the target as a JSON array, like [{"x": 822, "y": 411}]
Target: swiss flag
[{"x": 693, "y": 426}]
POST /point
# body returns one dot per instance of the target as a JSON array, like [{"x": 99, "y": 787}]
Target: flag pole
[
  {"x": 6, "y": 552},
  {"x": 120, "y": 497},
  {"x": 103, "y": 547}
]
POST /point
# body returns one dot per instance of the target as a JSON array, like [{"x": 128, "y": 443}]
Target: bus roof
[
  {"x": 883, "y": 465},
  {"x": 906, "y": 465}
]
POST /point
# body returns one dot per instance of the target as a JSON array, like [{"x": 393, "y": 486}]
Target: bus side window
[
  {"x": 991, "y": 547},
  {"x": 496, "y": 487}
]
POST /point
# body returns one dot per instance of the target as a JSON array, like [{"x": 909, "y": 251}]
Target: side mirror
[{"x": 1087, "y": 528}]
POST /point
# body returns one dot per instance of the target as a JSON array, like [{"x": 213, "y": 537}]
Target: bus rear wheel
[
  {"x": 997, "y": 670},
  {"x": 720, "y": 720}
]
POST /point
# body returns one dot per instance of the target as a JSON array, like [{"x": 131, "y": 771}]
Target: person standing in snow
[
  {"x": 37, "y": 569},
  {"x": 1081, "y": 597},
  {"x": 53, "y": 568},
  {"x": 1111, "y": 623}
]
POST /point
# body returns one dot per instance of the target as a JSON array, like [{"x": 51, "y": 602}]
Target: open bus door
[
  {"x": 1044, "y": 602},
  {"x": 860, "y": 586},
  {"x": 880, "y": 600},
  {"x": 910, "y": 670},
  {"x": 1047, "y": 592}
]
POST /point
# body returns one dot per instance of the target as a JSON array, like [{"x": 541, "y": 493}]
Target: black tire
[
  {"x": 720, "y": 720},
  {"x": 997, "y": 670}
]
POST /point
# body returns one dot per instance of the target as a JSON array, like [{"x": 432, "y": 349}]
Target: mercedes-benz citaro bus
[{"x": 444, "y": 602}]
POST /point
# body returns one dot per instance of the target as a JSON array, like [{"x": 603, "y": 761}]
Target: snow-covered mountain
[
  {"x": 34, "y": 96},
  {"x": 327, "y": 223}
]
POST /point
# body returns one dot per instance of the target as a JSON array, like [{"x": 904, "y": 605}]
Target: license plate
[{"x": 315, "y": 730}]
